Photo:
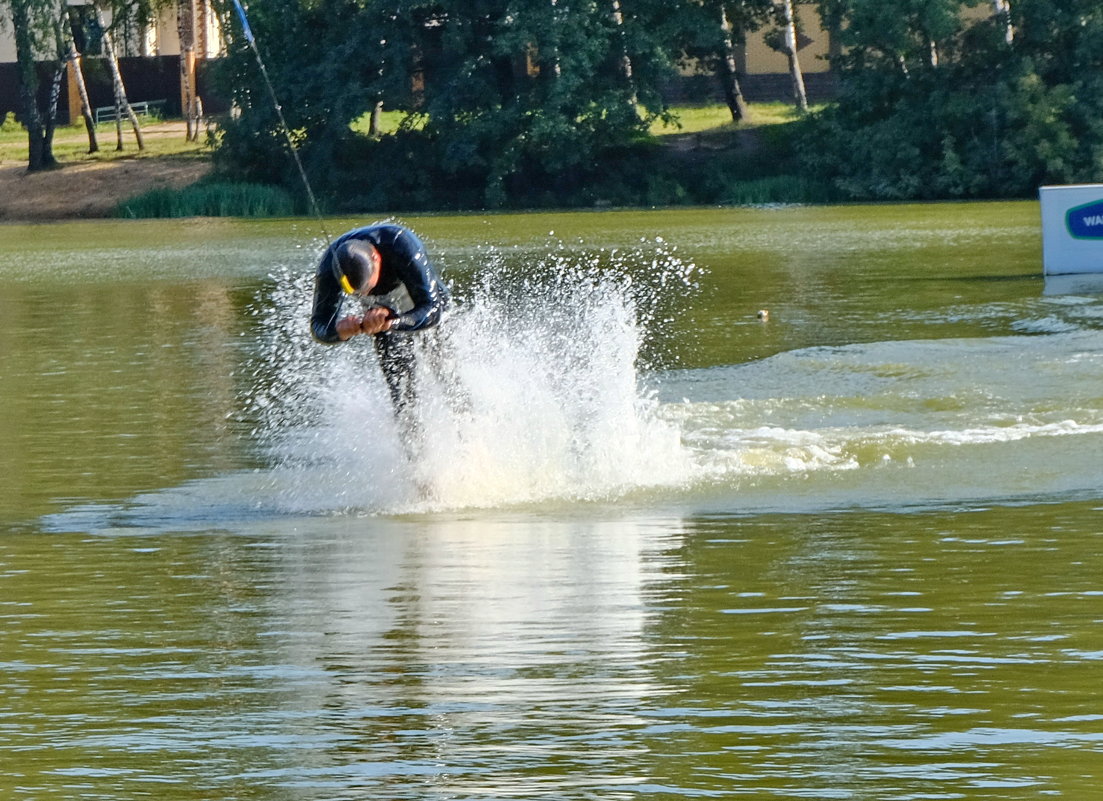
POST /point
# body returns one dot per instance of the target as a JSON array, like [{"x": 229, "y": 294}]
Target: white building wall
[{"x": 162, "y": 39}]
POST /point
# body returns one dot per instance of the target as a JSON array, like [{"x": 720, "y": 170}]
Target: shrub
[{"x": 216, "y": 199}]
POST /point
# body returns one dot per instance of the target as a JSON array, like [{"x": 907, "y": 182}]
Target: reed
[
  {"x": 777, "y": 189},
  {"x": 216, "y": 199}
]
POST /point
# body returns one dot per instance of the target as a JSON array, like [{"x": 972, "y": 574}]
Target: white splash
[
  {"x": 528, "y": 392},
  {"x": 541, "y": 400}
]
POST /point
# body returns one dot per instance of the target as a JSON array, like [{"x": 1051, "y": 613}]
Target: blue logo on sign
[{"x": 1086, "y": 222}]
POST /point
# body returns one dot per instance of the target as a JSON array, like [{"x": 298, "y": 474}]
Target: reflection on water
[
  {"x": 1083, "y": 284},
  {"x": 853, "y": 656},
  {"x": 670, "y": 550}
]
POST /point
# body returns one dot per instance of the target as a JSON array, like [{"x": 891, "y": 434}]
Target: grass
[
  {"x": 714, "y": 118},
  {"x": 214, "y": 199},
  {"x": 389, "y": 122},
  {"x": 742, "y": 183},
  {"x": 71, "y": 141},
  {"x": 70, "y": 145}
]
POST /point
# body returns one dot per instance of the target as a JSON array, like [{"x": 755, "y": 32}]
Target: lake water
[{"x": 651, "y": 546}]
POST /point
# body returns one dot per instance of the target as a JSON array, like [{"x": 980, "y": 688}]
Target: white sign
[{"x": 1072, "y": 229}]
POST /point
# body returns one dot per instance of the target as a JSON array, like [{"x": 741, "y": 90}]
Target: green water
[{"x": 852, "y": 551}]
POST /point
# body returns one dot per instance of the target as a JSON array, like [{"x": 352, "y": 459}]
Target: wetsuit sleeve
[
  {"x": 327, "y": 302},
  {"x": 427, "y": 291}
]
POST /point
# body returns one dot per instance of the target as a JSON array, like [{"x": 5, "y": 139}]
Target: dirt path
[{"x": 92, "y": 188}]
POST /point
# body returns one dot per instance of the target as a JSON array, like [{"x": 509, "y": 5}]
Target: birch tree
[
  {"x": 122, "y": 105},
  {"x": 788, "y": 45},
  {"x": 729, "y": 70},
  {"x": 186, "y": 26},
  {"x": 54, "y": 95},
  {"x": 625, "y": 59},
  {"x": 710, "y": 35},
  {"x": 67, "y": 49},
  {"x": 1003, "y": 15}
]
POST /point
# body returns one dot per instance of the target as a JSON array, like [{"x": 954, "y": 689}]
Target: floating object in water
[
  {"x": 763, "y": 314},
  {"x": 1072, "y": 229}
]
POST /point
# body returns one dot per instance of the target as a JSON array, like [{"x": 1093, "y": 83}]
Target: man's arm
[
  {"x": 326, "y": 323},
  {"x": 427, "y": 291},
  {"x": 327, "y": 306}
]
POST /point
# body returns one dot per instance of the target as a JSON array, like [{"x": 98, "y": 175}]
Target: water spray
[{"x": 279, "y": 114}]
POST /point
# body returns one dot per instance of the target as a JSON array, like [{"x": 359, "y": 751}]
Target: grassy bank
[
  {"x": 718, "y": 160},
  {"x": 713, "y": 118},
  {"x": 70, "y": 144},
  {"x": 701, "y": 157}
]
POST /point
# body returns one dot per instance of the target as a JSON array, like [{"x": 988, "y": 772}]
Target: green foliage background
[
  {"x": 989, "y": 118},
  {"x": 527, "y": 103}
]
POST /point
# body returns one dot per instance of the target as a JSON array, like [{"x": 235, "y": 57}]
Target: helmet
[{"x": 352, "y": 264}]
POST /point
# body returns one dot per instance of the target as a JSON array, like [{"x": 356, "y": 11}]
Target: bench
[{"x": 143, "y": 108}]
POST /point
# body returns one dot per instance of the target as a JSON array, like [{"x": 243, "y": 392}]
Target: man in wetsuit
[{"x": 385, "y": 269}]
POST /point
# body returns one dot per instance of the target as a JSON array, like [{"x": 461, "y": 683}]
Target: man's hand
[
  {"x": 376, "y": 321},
  {"x": 348, "y": 327}
]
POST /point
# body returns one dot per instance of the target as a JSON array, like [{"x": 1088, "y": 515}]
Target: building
[{"x": 149, "y": 58}]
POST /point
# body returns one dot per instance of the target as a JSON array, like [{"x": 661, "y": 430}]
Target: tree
[
  {"x": 504, "y": 99},
  {"x": 67, "y": 47},
  {"x": 186, "y": 21},
  {"x": 31, "y": 25},
  {"x": 936, "y": 103},
  {"x": 122, "y": 105},
  {"x": 1003, "y": 14},
  {"x": 535, "y": 94},
  {"x": 729, "y": 70},
  {"x": 709, "y": 33},
  {"x": 787, "y": 22},
  {"x": 74, "y": 64},
  {"x": 625, "y": 58}
]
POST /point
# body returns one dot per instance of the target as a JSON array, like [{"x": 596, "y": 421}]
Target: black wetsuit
[{"x": 408, "y": 285}]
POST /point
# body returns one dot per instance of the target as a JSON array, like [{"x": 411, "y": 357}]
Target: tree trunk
[
  {"x": 550, "y": 68},
  {"x": 789, "y": 28},
  {"x": 40, "y": 154},
  {"x": 1003, "y": 14},
  {"x": 625, "y": 59},
  {"x": 50, "y": 121},
  {"x": 122, "y": 105},
  {"x": 376, "y": 116},
  {"x": 186, "y": 28},
  {"x": 67, "y": 51},
  {"x": 196, "y": 103},
  {"x": 82, "y": 90},
  {"x": 729, "y": 73},
  {"x": 187, "y": 94}
]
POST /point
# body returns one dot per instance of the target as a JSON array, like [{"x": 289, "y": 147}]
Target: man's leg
[
  {"x": 399, "y": 364},
  {"x": 397, "y": 360},
  {"x": 441, "y": 359}
]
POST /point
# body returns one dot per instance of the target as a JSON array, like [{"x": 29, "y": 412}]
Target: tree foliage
[
  {"x": 41, "y": 30},
  {"x": 939, "y": 102},
  {"x": 508, "y": 101},
  {"x": 547, "y": 102},
  {"x": 32, "y": 25}
]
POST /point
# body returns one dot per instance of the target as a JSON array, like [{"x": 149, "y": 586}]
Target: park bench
[{"x": 143, "y": 108}]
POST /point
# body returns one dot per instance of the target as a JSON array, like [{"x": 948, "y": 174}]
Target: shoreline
[
  {"x": 88, "y": 190},
  {"x": 86, "y": 187}
]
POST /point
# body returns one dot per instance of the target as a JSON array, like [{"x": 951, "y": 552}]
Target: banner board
[{"x": 1072, "y": 229}]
